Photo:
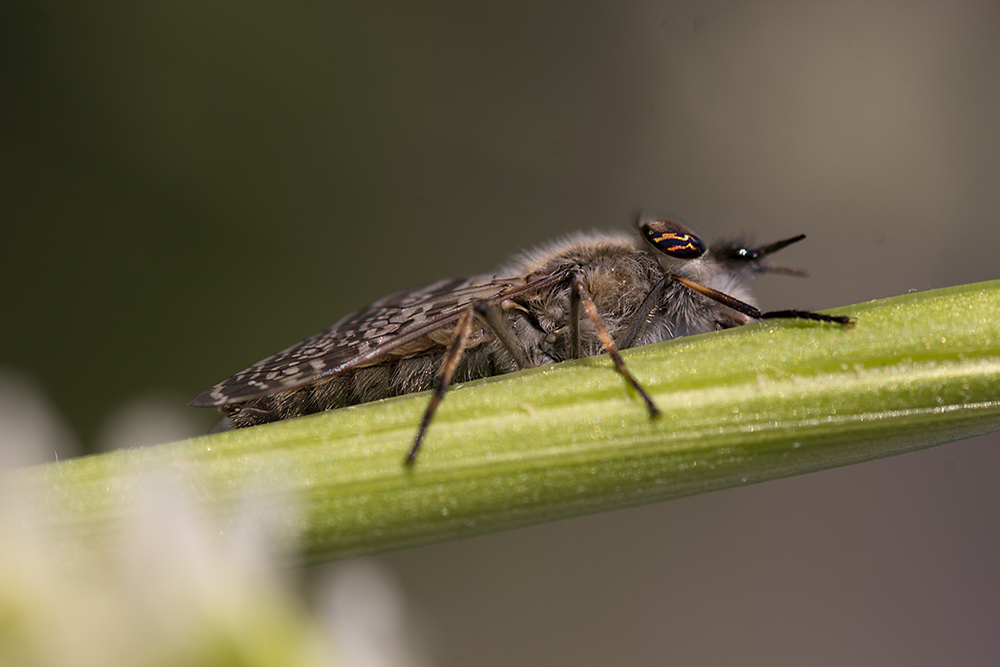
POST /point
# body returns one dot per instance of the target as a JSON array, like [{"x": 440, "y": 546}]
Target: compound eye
[{"x": 673, "y": 238}]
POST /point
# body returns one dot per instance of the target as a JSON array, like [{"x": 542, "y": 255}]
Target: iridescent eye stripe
[
  {"x": 684, "y": 241},
  {"x": 584, "y": 295}
]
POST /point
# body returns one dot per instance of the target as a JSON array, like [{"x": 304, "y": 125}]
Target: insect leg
[
  {"x": 642, "y": 317},
  {"x": 578, "y": 297},
  {"x": 750, "y": 311},
  {"x": 574, "y": 320},
  {"x": 807, "y": 315},
  {"x": 448, "y": 365},
  {"x": 492, "y": 317}
]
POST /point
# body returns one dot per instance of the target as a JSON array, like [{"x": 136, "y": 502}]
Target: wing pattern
[{"x": 400, "y": 323}]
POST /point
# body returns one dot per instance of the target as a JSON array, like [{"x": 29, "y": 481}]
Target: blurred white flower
[
  {"x": 168, "y": 588},
  {"x": 365, "y": 612},
  {"x": 159, "y": 579},
  {"x": 30, "y": 430}
]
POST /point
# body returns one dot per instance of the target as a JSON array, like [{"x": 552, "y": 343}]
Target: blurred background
[{"x": 186, "y": 188}]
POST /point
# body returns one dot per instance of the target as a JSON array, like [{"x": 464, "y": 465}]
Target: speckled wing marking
[{"x": 366, "y": 336}]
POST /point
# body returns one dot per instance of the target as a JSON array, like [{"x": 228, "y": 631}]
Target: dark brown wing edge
[{"x": 212, "y": 396}]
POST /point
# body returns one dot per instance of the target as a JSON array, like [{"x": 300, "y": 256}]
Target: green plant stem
[{"x": 740, "y": 406}]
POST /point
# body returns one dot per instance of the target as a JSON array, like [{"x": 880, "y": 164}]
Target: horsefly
[{"x": 576, "y": 297}]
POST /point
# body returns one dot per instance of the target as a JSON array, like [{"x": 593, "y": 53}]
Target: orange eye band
[{"x": 682, "y": 245}]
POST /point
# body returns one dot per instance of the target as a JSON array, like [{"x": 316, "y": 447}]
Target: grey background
[{"x": 186, "y": 188}]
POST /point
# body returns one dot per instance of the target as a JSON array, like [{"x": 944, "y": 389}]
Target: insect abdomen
[{"x": 366, "y": 384}]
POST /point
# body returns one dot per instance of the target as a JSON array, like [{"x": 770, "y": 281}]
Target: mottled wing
[{"x": 362, "y": 338}]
